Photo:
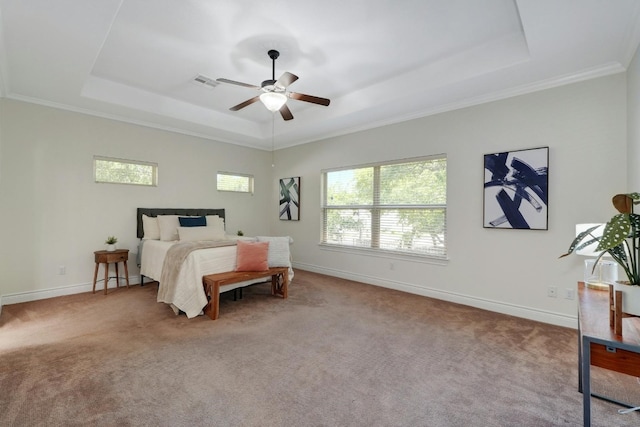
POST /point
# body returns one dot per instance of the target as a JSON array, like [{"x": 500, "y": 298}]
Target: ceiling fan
[{"x": 274, "y": 92}]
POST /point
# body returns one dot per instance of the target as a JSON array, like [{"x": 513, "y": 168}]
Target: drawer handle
[{"x": 611, "y": 349}]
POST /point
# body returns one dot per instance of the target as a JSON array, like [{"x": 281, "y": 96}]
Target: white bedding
[{"x": 188, "y": 294}]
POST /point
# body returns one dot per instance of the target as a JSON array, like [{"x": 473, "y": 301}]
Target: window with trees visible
[
  {"x": 119, "y": 171},
  {"x": 239, "y": 183},
  {"x": 395, "y": 207}
]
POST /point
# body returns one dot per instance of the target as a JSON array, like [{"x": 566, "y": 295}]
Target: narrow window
[
  {"x": 119, "y": 171},
  {"x": 236, "y": 182}
]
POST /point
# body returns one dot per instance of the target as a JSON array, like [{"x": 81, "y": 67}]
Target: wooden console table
[{"x": 600, "y": 346}]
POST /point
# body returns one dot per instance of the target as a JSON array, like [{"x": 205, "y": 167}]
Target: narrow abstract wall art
[
  {"x": 290, "y": 199},
  {"x": 516, "y": 185}
]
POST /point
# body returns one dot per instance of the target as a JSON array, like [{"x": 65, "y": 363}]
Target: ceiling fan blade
[
  {"x": 233, "y": 82},
  {"x": 245, "y": 103},
  {"x": 285, "y": 80},
  {"x": 286, "y": 113},
  {"x": 309, "y": 98}
]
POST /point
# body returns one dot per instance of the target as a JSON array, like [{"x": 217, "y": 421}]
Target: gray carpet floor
[{"x": 335, "y": 353}]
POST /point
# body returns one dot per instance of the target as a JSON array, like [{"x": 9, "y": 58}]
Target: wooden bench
[{"x": 212, "y": 283}]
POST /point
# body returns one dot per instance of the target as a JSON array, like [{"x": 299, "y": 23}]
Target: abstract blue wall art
[
  {"x": 516, "y": 189},
  {"x": 290, "y": 199}
]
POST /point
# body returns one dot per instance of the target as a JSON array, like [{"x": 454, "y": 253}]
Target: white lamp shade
[{"x": 273, "y": 100}]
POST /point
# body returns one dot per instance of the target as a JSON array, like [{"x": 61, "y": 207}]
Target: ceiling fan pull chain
[{"x": 273, "y": 147}]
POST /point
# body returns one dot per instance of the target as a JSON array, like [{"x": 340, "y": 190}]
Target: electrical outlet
[
  {"x": 62, "y": 270},
  {"x": 552, "y": 291},
  {"x": 391, "y": 266},
  {"x": 570, "y": 293}
]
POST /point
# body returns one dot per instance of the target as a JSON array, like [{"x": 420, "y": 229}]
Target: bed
[{"x": 180, "y": 278}]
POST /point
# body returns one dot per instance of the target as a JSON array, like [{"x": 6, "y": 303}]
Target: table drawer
[
  {"x": 118, "y": 258},
  {"x": 112, "y": 256},
  {"x": 615, "y": 359}
]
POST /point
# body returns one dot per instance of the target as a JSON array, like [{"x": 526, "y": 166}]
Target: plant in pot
[
  {"x": 111, "y": 243},
  {"x": 621, "y": 240}
]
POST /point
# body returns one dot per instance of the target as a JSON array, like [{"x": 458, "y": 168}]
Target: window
[
  {"x": 119, "y": 171},
  {"x": 235, "y": 182},
  {"x": 395, "y": 207}
]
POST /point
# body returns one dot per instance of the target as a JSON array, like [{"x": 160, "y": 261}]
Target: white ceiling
[{"x": 379, "y": 61}]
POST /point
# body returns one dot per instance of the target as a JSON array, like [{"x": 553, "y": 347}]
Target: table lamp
[{"x": 603, "y": 273}]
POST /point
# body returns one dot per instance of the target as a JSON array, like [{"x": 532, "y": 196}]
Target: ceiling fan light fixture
[
  {"x": 274, "y": 92},
  {"x": 273, "y": 100}
]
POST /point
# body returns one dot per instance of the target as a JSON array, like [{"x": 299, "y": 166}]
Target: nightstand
[{"x": 106, "y": 258}]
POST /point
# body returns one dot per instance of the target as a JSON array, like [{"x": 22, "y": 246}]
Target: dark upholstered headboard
[{"x": 173, "y": 211}]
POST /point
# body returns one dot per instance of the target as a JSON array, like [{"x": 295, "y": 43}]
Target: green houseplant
[
  {"x": 620, "y": 239},
  {"x": 111, "y": 243}
]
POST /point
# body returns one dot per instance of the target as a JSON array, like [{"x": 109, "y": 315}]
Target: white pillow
[
  {"x": 150, "y": 228},
  {"x": 188, "y": 234},
  {"x": 215, "y": 221},
  {"x": 168, "y": 227},
  {"x": 279, "y": 255}
]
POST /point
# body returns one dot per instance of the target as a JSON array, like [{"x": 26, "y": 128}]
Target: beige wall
[
  {"x": 584, "y": 125},
  {"x": 53, "y": 213},
  {"x": 633, "y": 123}
]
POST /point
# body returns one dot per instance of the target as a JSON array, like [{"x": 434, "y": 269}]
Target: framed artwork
[
  {"x": 290, "y": 199},
  {"x": 516, "y": 189}
]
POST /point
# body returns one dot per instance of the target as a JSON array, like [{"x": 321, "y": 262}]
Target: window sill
[{"x": 422, "y": 259}]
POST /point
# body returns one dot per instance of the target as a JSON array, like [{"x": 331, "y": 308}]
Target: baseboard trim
[
  {"x": 61, "y": 291},
  {"x": 482, "y": 303},
  {"x": 544, "y": 316}
]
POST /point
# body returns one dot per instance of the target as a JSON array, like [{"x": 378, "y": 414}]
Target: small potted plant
[
  {"x": 240, "y": 233},
  {"x": 621, "y": 240},
  {"x": 111, "y": 243}
]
